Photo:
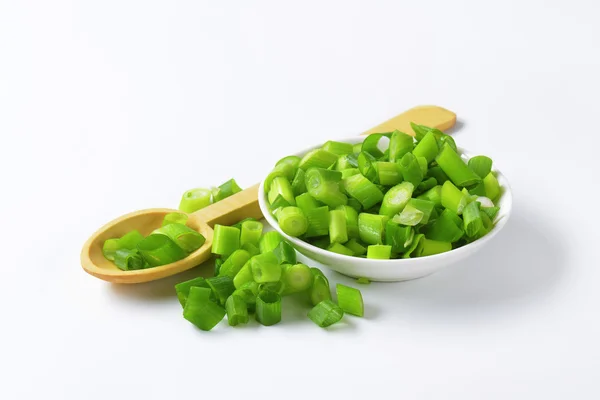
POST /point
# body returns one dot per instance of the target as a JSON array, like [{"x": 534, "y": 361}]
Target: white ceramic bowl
[{"x": 400, "y": 269}]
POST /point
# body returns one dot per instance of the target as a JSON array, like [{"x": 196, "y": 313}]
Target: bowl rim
[{"x": 505, "y": 210}]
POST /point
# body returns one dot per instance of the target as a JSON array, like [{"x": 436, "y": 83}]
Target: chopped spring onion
[
  {"x": 350, "y": 300},
  {"x": 183, "y": 288},
  {"x": 175, "y": 218},
  {"x": 227, "y": 189},
  {"x": 484, "y": 201},
  {"x": 251, "y": 248},
  {"x": 234, "y": 263},
  {"x": 371, "y": 227},
  {"x": 319, "y": 290},
  {"x": 128, "y": 260},
  {"x": 345, "y": 162},
  {"x": 296, "y": 278},
  {"x": 281, "y": 187},
  {"x": 318, "y": 158},
  {"x": 250, "y": 233},
  {"x": 366, "y": 166},
  {"x": 352, "y": 202},
  {"x": 456, "y": 169},
  {"x": 299, "y": 182},
  {"x": 248, "y": 292},
  {"x": 472, "y": 219},
  {"x": 226, "y": 240},
  {"x": 338, "y": 232},
  {"x": 388, "y": 173},
  {"x": 371, "y": 144},
  {"x": 306, "y": 202},
  {"x": 420, "y": 130},
  {"x": 350, "y": 172},
  {"x": 337, "y": 148},
  {"x": 427, "y": 147},
  {"x": 363, "y": 190},
  {"x": 396, "y": 199},
  {"x": 351, "y": 220},
  {"x": 415, "y": 243},
  {"x": 438, "y": 173},
  {"x": 269, "y": 241},
  {"x": 430, "y": 247},
  {"x": 478, "y": 189},
  {"x": 492, "y": 187},
  {"x": 285, "y": 253},
  {"x": 423, "y": 165},
  {"x": 160, "y": 250},
  {"x": 268, "y": 308},
  {"x": 340, "y": 249},
  {"x": 265, "y": 268},
  {"x": 452, "y": 198},
  {"x": 326, "y": 313},
  {"x": 292, "y": 221},
  {"x": 201, "y": 311},
  {"x": 109, "y": 248},
  {"x": 445, "y": 228},
  {"x": 237, "y": 310},
  {"x": 400, "y": 144},
  {"x": 379, "y": 251},
  {"x": 318, "y": 222},
  {"x": 185, "y": 237},
  {"x": 218, "y": 263},
  {"x": 244, "y": 276},
  {"x": 363, "y": 281},
  {"x": 417, "y": 211},
  {"x": 425, "y": 185},
  {"x": 130, "y": 240},
  {"x": 288, "y": 165},
  {"x": 490, "y": 211},
  {"x": 222, "y": 287},
  {"x": 399, "y": 237},
  {"x": 324, "y": 186},
  {"x": 277, "y": 287},
  {"x": 356, "y": 248},
  {"x": 411, "y": 169},
  {"x": 481, "y": 165},
  {"x": 434, "y": 194},
  {"x": 195, "y": 199}
]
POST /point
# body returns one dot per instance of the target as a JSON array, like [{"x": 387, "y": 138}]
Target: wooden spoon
[{"x": 225, "y": 212}]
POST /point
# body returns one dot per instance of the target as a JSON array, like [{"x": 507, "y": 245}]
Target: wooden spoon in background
[{"x": 225, "y": 212}]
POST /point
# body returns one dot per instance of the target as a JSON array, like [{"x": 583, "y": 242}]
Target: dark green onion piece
[
  {"x": 481, "y": 165},
  {"x": 184, "y": 236},
  {"x": 318, "y": 158},
  {"x": 319, "y": 290},
  {"x": 306, "y": 202},
  {"x": 248, "y": 292},
  {"x": 430, "y": 247},
  {"x": 352, "y": 202},
  {"x": 281, "y": 187},
  {"x": 371, "y": 144},
  {"x": 234, "y": 263},
  {"x": 447, "y": 139},
  {"x": 356, "y": 248},
  {"x": 218, "y": 263},
  {"x": 351, "y": 217},
  {"x": 371, "y": 227},
  {"x": 399, "y": 237},
  {"x": 268, "y": 308},
  {"x": 195, "y": 199},
  {"x": 411, "y": 169},
  {"x": 109, "y": 248},
  {"x": 427, "y": 147},
  {"x": 128, "y": 260},
  {"x": 396, "y": 199},
  {"x": 285, "y": 253},
  {"x": 269, "y": 241},
  {"x": 456, "y": 169},
  {"x": 438, "y": 173},
  {"x": 183, "y": 289},
  {"x": 318, "y": 222},
  {"x": 277, "y": 287},
  {"x": 452, "y": 198},
  {"x": 492, "y": 187},
  {"x": 324, "y": 186},
  {"x": 237, "y": 310},
  {"x": 445, "y": 228},
  {"x": 226, "y": 240},
  {"x": 426, "y": 185},
  {"x": 325, "y": 313},
  {"x": 299, "y": 182},
  {"x": 321, "y": 242},
  {"x": 338, "y": 232},
  {"x": 244, "y": 276},
  {"x": 251, "y": 232},
  {"x": 472, "y": 219},
  {"x": 420, "y": 130},
  {"x": 200, "y": 311},
  {"x": 292, "y": 221},
  {"x": 491, "y": 212},
  {"x": 478, "y": 189},
  {"x": 400, "y": 144},
  {"x": 366, "y": 166},
  {"x": 338, "y": 148},
  {"x": 296, "y": 278},
  {"x": 340, "y": 249},
  {"x": 227, "y": 189},
  {"x": 350, "y": 300},
  {"x": 415, "y": 243},
  {"x": 379, "y": 251},
  {"x": 265, "y": 268},
  {"x": 222, "y": 287},
  {"x": 175, "y": 218},
  {"x": 388, "y": 173},
  {"x": 160, "y": 250},
  {"x": 363, "y": 190}
]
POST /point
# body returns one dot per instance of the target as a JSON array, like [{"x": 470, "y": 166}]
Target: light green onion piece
[
  {"x": 456, "y": 169},
  {"x": 299, "y": 182},
  {"x": 388, "y": 173},
  {"x": 478, "y": 190},
  {"x": 292, "y": 221},
  {"x": 109, "y": 248},
  {"x": 491, "y": 212},
  {"x": 481, "y": 165},
  {"x": 318, "y": 222},
  {"x": 195, "y": 199},
  {"x": 400, "y": 144},
  {"x": 445, "y": 228},
  {"x": 175, "y": 218},
  {"x": 288, "y": 165},
  {"x": 252, "y": 249},
  {"x": 250, "y": 233},
  {"x": 324, "y": 186},
  {"x": 277, "y": 287},
  {"x": 415, "y": 243},
  {"x": 234, "y": 263},
  {"x": 319, "y": 290},
  {"x": 160, "y": 250},
  {"x": 226, "y": 240},
  {"x": 306, "y": 202},
  {"x": 417, "y": 211},
  {"x": 130, "y": 240},
  {"x": 227, "y": 189},
  {"x": 269, "y": 241},
  {"x": 248, "y": 292},
  {"x": 184, "y": 236},
  {"x": 423, "y": 165},
  {"x": 363, "y": 281},
  {"x": 296, "y": 278},
  {"x": 244, "y": 276},
  {"x": 200, "y": 311},
  {"x": 350, "y": 300},
  {"x": 321, "y": 242},
  {"x": 443, "y": 139},
  {"x": 340, "y": 249},
  {"x": 371, "y": 227},
  {"x": 379, "y": 251},
  {"x": 366, "y": 166},
  {"x": 237, "y": 310},
  {"x": 452, "y": 198},
  {"x": 427, "y": 147},
  {"x": 281, "y": 187},
  {"x": 396, "y": 199},
  {"x": 222, "y": 287},
  {"x": 434, "y": 194},
  {"x": 265, "y": 268},
  {"x": 492, "y": 187},
  {"x": 218, "y": 263},
  {"x": 472, "y": 219},
  {"x": 411, "y": 169},
  {"x": 183, "y": 289},
  {"x": 325, "y": 313},
  {"x": 371, "y": 144},
  {"x": 351, "y": 220},
  {"x": 285, "y": 253},
  {"x": 128, "y": 260},
  {"x": 350, "y": 172},
  {"x": 420, "y": 130},
  {"x": 356, "y": 248},
  {"x": 268, "y": 308},
  {"x": 318, "y": 158},
  {"x": 338, "y": 232},
  {"x": 337, "y": 148},
  {"x": 399, "y": 237},
  {"x": 348, "y": 161},
  {"x": 363, "y": 190},
  {"x": 430, "y": 247}
]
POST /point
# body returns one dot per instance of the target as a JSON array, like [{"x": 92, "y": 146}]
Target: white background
[{"x": 111, "y": 106}]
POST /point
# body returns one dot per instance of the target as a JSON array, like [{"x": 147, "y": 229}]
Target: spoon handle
[
  {"x": 232, "y": 209},
  {"x": 432, "y": 116}
]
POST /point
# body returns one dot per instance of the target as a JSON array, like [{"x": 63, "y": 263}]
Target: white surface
[
  {"x": 111, "y": 106},
  {"x": 400, "y": 269}
]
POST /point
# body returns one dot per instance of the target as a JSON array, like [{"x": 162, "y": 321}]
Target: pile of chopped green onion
[
  {"x": 253, "y": 271},
  {"x": 415, "y": 198},
  {"x": 173, "y": 241}
]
